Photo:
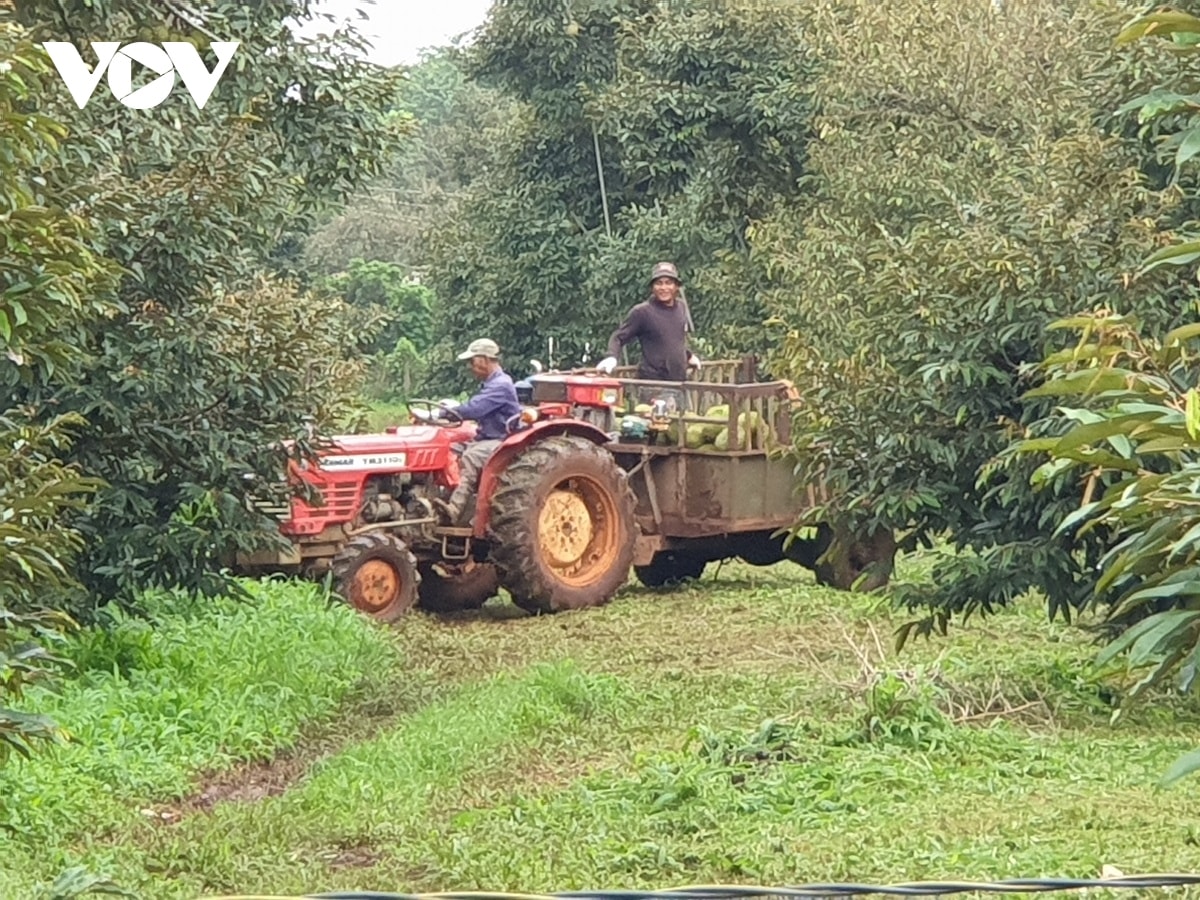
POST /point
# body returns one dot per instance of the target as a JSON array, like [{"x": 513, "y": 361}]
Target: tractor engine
[
  {"x": 398, "y": 498},
  {"x": 373, "y": 480}
]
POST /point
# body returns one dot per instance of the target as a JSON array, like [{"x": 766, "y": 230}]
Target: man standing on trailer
[{"x": 660, "y": 324}]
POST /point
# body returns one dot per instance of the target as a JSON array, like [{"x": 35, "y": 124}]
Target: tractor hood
[
  {"x": 408, "y": 447},
  {"x": 404, "y": 437}
]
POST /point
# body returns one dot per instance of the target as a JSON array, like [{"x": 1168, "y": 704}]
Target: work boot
[{"x": 447, "y": 514}]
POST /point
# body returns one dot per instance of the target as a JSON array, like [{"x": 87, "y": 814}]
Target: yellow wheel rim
[
  {"x": 374, "y": 586},
  {"x": 564, "y": 528},
  {"x": 578, "y": 531}
]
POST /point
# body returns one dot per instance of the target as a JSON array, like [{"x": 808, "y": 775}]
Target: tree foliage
[
  {"x": 442, "y": 151},
  {"x": 397, "y": 327},
  {"x": 1131, "y": 437},
  {"x": 1133, "y": 431},
  {"x": 646, "y": 130},
  {"x": 53, "y": 281},
  {"x": 205, "y": 361},
  {"x": 964, "y": 197}
]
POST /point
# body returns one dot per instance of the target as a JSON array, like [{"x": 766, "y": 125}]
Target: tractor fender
[{"x": 515, "y": 444}]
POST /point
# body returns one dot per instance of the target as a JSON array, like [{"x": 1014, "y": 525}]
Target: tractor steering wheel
[{"x": 433, "y": 413}]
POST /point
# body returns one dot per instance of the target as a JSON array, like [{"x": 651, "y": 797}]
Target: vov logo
[{"x": 167, "y": 60}]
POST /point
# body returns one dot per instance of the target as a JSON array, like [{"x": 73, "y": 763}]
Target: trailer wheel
[
  {"x": 669, "y": 567},
  {"x": 759, "y": 548},
  {"x": 377, "y": 574},
  {"x": 452, "y": 588},
  {"x": 562, "y": 526},
  {"x": 849, "y": 557}
]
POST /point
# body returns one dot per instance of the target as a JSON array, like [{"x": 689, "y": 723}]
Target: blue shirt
[{"x": 494, "y": 404}]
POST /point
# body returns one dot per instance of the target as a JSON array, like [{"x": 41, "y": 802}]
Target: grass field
[{"x": 752, "y": 728}]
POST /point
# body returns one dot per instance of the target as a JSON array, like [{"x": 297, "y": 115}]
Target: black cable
[{"x": 741, "y": 892}]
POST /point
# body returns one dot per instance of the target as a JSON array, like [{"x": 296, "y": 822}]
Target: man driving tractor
[{"x": 492, "y": 406}]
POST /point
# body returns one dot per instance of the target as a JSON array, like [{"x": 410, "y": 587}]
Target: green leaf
[
  {"x": 1159, "y": 103},
  {"x": 1163, "y": 23},
  {"x": 1165, "y": 628},
  {"x": 1188, "y": 147},
  {"x": 1192, "y": 413},
  {"x": 1187, "y": 542},
  {"x": 1181, "y": 334},
  {"x": 1164, "y": 445},
  {"x": 1083, "y": 382},
  {"x": 1183, "y": 766},
  {"x": 1122, "y": 445},
  {"x": 1180, "y": 254},
  {"x": 1091, "y": 434},
  {"x": 1083, "y": 513}
]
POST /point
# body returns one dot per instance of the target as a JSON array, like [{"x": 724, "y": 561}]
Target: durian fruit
[
  {"x": 696, "y": 436},
  {"x": 753, "y": 433},
  {"x": 711, "y": 430}
]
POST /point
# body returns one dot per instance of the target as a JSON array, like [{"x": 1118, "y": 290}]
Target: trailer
[{"x": 737, "y": 498}]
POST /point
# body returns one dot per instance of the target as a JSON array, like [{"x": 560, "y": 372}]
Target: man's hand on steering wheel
[{"x": 439, "y": 413}]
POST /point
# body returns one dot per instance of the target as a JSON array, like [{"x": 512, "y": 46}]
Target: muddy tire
[
  {"x": 759, "y": 548},
  {"x": 670, "y": 567},
  {"x": 849, "y": 557},
  {"x": 806, "y": 551},
  {"x": 377, "y": 574},
  {"x": 562, "y": 526},
  {"x": 457, "y": 588}
]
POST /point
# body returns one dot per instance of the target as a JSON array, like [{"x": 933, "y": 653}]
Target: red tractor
[{"x": 553, "y": 522}]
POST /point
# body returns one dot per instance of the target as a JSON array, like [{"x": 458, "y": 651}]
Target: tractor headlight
[{"x": 610, "y": 396}]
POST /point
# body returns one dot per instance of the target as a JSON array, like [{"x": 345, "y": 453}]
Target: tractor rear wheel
[
  {"x": 849, "y": 556},
  {"x": 447, "y": 587},
  {"x": 562, "y": 526},
  {"x": 670, "y": 567},
  {"x": 377, "y": 574}
]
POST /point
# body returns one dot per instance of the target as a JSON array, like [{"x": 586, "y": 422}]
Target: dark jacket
[{"x": 662, "y": 332}]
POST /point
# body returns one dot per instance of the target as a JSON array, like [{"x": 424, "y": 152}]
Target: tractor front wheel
[
  {"x": 377, "y": 574},
  {"x": 562, "y": 526}
]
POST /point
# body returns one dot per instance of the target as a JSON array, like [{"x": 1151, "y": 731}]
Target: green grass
[
  {"x": 750, "y": 728},
  {"x": 198, "y": 688}
]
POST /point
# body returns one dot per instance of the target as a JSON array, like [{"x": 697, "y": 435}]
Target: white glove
[
  {"x": 606, "y": 365},
  {"x": 449, "y": 404},
  {"x": 693, "y": 361}
]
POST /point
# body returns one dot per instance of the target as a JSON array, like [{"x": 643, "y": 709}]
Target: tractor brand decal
[{"x": 365, "y": 461}]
